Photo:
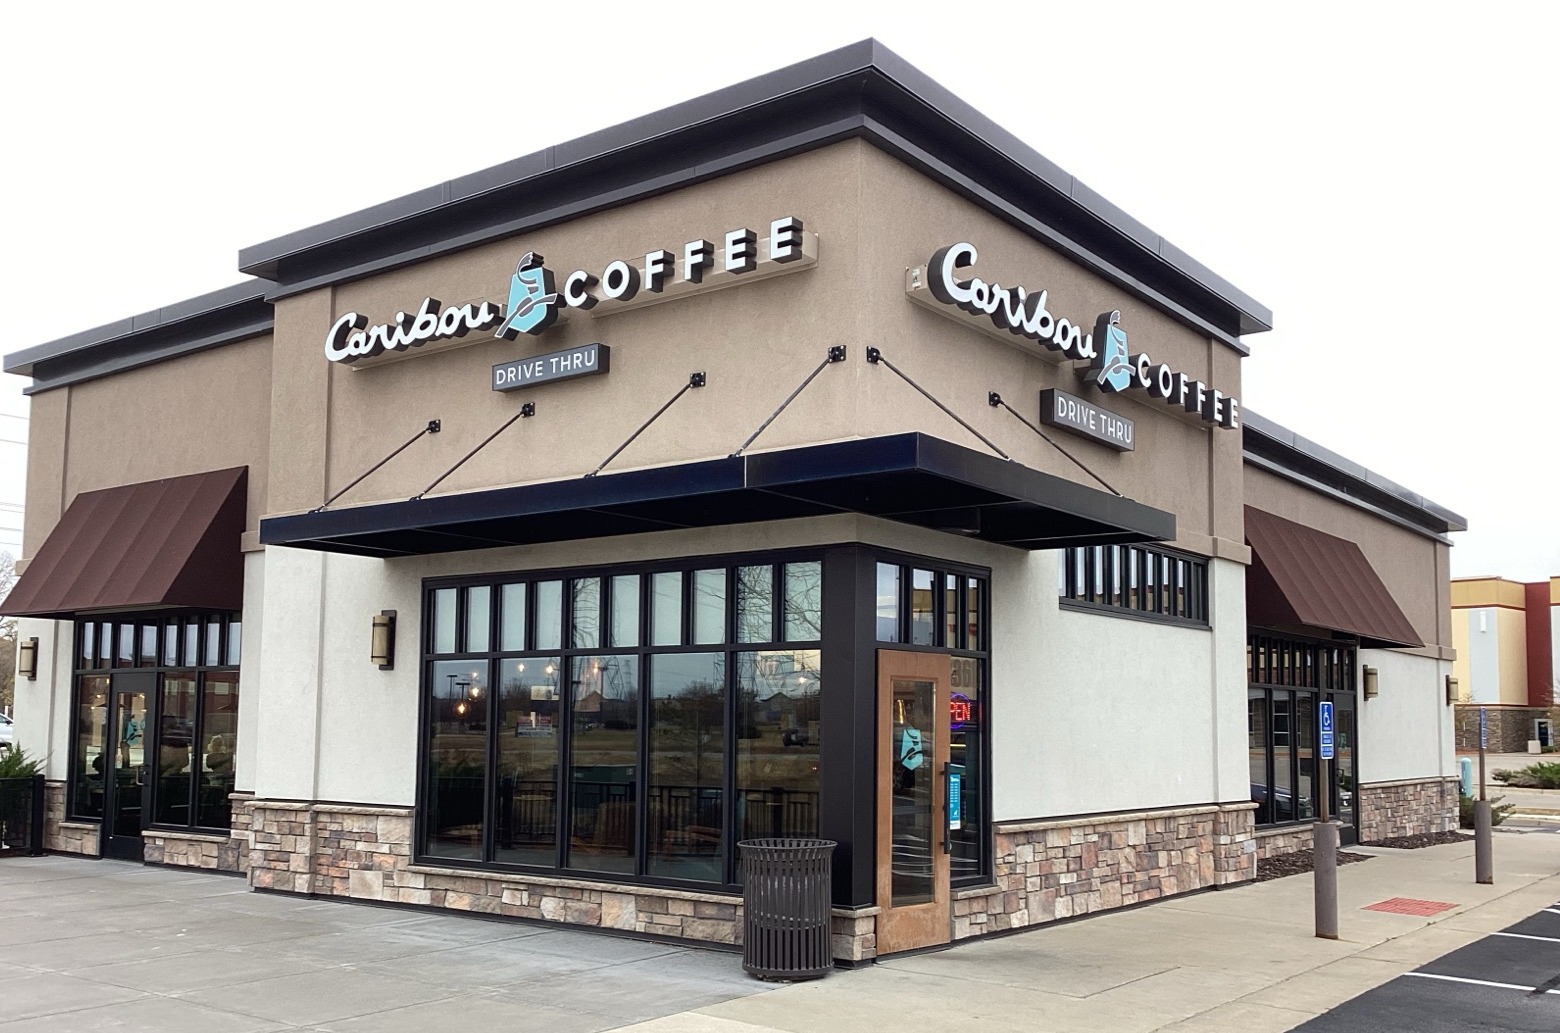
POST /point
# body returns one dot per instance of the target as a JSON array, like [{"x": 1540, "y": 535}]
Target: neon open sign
[{"x": 960, "y": 710}]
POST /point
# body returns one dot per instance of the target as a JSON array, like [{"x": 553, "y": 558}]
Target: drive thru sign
[{"x": 1327, "y": 731}]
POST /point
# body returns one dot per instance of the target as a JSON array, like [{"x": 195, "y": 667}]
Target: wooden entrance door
[{"x": 912, "y": 818}]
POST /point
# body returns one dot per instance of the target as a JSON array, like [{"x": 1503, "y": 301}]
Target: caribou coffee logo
[
  {"x": 1025, "y": 313},
  {"x": 535, "y": 302}
]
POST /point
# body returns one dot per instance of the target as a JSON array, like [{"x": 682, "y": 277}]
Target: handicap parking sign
[{"x": 1327, "y": 731}]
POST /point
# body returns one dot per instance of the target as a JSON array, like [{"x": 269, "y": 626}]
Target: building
[
  {"x": 1504, "y": 633},
  {"x": 522, "y": 545}
]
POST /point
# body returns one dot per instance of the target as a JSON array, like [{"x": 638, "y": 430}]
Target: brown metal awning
[
  {"x": 169, "y": 543},
  {"x": 1300, "y": 575}
]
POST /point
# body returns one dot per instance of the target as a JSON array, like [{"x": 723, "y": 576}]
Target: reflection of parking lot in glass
[{"x": 914, "y": 745}]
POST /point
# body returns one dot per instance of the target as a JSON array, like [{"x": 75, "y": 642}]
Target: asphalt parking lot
[{"x": 1508, "y": 981}]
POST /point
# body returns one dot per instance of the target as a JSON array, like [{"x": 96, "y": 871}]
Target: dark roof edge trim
[
  {"x": 124, "y": 359},
  {"x": 1310, "y": 484},
  {"x": 851, "y": 128},
  {"x": 238, "y": 308},
  {"x": 628, "y": 193},
  {"x": 1301, "y": 459},
  {"x": 867, "y": 59}
]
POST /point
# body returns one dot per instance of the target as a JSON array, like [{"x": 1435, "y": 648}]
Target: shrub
[
  {"x": 1499, "y": 812},
  {"x": 1543, "y": 775},
  {"x": 15, "y": 763}
]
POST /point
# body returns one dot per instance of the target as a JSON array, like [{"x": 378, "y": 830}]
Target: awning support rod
[
  {"x": 694, "y": 380},
  {"x": 836, "y": 354},
  {"x": 995, "y": 401},
  {"x": 875, "y": 357},
  {"x": 528, "y": 409},
  {"x": 432, "y": 428}
]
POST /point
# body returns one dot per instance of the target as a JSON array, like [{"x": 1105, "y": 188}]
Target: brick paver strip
[{"x": 1410, "y": 906}]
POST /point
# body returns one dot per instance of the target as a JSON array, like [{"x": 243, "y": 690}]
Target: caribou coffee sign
[
  {"x": 537, "y": 301},
  {"x": 1027, "y": 314}
]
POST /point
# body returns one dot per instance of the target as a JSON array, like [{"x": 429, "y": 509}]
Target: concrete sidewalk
[
  {"x": 103, "y": 945},
  {"x": 1239, "y": 961}
]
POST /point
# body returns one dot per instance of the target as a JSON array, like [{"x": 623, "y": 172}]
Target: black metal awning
[{"x": 911, "y": 478}]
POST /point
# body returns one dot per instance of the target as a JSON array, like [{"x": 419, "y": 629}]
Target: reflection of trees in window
[
  {"x": 778, "y": 731},
  {"x": 803, "y": 602}
]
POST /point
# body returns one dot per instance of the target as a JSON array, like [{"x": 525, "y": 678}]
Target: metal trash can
[{"x": 785, "y": 908}]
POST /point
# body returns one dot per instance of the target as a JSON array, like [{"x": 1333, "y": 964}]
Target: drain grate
[{"x": 1410, "y": 906}]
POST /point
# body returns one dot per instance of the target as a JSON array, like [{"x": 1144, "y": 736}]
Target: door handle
[{"x": 947, "y": 777}]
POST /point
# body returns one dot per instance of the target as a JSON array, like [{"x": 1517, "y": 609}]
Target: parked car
[{"x": 7, "y": 733}]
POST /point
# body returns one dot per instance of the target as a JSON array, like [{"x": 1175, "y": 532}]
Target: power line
[
  {"x": 12, "y": 441},
  {"x": 13, "y": 416}
]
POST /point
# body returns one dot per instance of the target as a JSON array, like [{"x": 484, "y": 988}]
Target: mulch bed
[
  {"x": 1298, "y": 863},
  {"x": 1422, "y": 840}
]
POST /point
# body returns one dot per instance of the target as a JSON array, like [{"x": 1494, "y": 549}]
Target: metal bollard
[
  {"x": 1325, "y": 872},
  {"x": 1483, "y": 843}
]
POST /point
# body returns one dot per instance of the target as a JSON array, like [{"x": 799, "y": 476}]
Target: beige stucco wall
[
  {"x": 207, "y": 411},
  {"x": 1413, "y": 567},
  {"x": 1180, "y": 464},
  {"x": 755, "y": 341},
  {"x": 874, "y": 218}
]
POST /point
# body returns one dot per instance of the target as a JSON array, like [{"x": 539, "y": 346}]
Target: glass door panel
[
  {"x": 912, "y": 820},
  {"x": 130, "y": 753},
  {"x": 1344, "y": 794}
]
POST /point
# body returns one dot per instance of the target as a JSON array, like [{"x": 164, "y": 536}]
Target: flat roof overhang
[{"x": 910, "y": 478}]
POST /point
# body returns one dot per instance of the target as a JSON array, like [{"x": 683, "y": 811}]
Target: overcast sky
[{"x": 1379, "y": 175}]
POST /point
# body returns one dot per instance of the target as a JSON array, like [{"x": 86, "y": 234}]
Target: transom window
[
  {"x": 1135, "y": 579},
  {"x": 631, "y": 722}
]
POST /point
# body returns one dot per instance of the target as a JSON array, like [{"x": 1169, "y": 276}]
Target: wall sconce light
[
  {"x": 382, "y": 647},
  {"x": 27, "y": 659},
  {"x": 1451, "y": 689},
  {"x": 1370, "y": 683}
]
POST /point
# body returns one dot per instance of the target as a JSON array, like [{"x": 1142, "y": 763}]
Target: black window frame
[
  {"x": 644, "y": 651},
  {"x": 1302, "y": 671},
  {"x": 108, "y": 665},
  {"x": 1100, "y": 579},
  {"x": 979, "y": 650}
]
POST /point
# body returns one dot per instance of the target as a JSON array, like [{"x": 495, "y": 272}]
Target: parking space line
[
  {"x": 1480, "y": 982},
  {"x": 1525, "y": 936}
]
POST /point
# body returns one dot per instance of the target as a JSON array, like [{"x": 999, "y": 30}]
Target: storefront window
[
  {"x": 586, "y": 615},
  {"x": 512, "y": 614},
  {"x": 666, "y": 608},
  {"x": 1287, "y": 679},
  {"x": 966, "y": 741},
  {"x": 457, "y": 759},
  {"x": 709, "y": 607},
  {"x": 778, "y": 698},
  {"x": 190, "y": 720},
  {"x": 756, "y": 603},
  {"x": 888, "y": 602},
  {"x": 923, "y": 615},
  {"x": 479, "y": 618},
  {"x": 1140, "y": 579},
  {"x": 687, "y": 765},
  {"x": 175, "y": 753},
  {"x": 91, "y": 741},
  {"x": 803, "y": 602},
  {"x": 604, "y": 744},
  {"x": 625, "y": 611},
  {"x": 625, "y": 751},
  {"x": 526, "y": 802},
  {"x": 218, "y": 739}
]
